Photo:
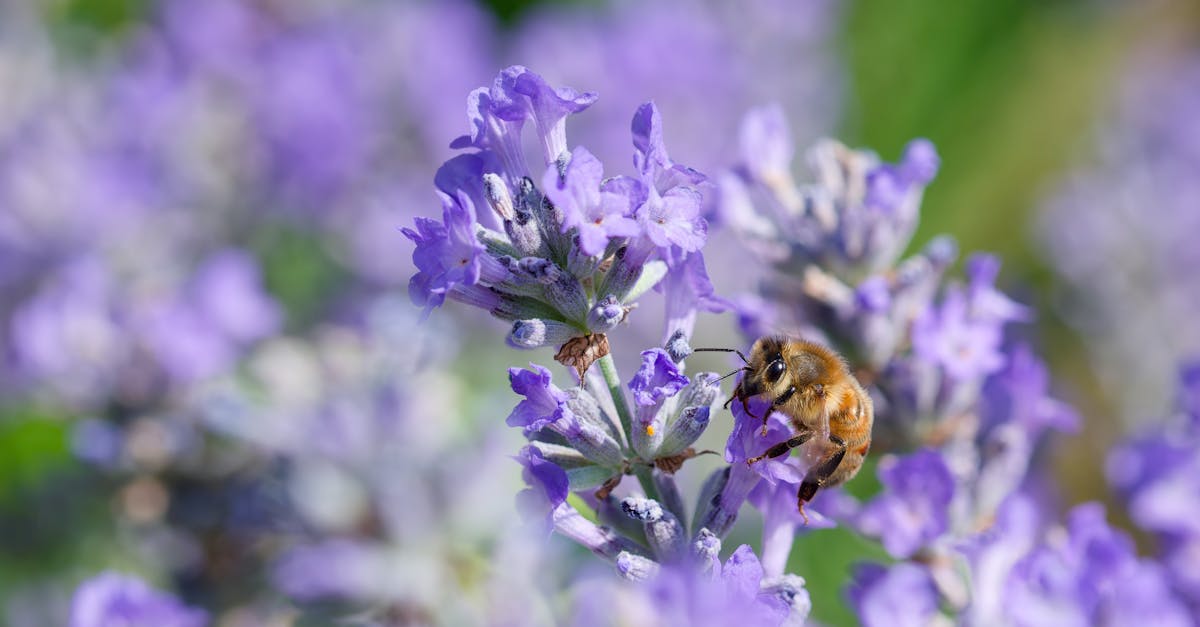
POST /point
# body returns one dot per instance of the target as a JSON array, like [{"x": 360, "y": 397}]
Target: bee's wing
[{"x": 823, "y": 424}]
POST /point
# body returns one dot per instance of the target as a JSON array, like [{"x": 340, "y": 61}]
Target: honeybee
[{"x": 814, "y": 388}]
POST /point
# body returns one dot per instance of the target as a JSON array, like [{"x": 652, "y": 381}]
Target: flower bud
[
  {"x": 568, "y": 297},
  {"x": 635, "y": 567},
  {"x": 537, "y": 332},
  {"x": 606, "y": 315},
  {"x": 706, "y": 549},
  {"x": 498, "y": 196},
  {"x": 677, "y": 346},
  {"x": 663, "y": 530},
  {"x": 684, "y": 431}
]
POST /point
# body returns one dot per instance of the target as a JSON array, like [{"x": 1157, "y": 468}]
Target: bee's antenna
[
  {"x": 732, "y": 373},
  {"x": 722, "y": 350}
]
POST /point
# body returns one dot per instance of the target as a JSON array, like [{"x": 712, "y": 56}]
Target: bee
[{"x": 814, "y": 388}]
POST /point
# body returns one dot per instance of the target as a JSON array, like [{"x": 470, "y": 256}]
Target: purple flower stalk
[
  {"x": 964, "y": 409},
  {"x": 573, "y": 256},
  {"x": 570, "y": 258}
]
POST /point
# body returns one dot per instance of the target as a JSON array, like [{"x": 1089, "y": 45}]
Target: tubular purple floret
[
  {"x": 606, "y": 314},
  {"x": 663, "y": 530}
]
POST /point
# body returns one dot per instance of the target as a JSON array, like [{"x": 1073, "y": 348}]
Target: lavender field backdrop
[{"x": 353, "y": 312}]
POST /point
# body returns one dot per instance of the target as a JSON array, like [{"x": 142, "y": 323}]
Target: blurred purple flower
[
  {"x": 112, "y": 599},
  {"x": 1158, "y": 474},
  {"x": 1083, "y": 581},
  {"x": 888, "y": 185},
  {"x": 735, "y": 593},
  {"x": 222, "y": 310},
  {"x": 335, "y": 568},
  {"x": 745, "y": 53},
  {"x": 854, "y": 221},
  {"x": 966, "y": 348},
  {"x": 901, "y": 595},
  {"x": 913, "y": 509},
  {"x": 987, "y": 302},
  {"x": 1020, "y": 394}
]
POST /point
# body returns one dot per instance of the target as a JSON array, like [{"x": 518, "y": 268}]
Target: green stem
[
  {"x": 643, "y": 473},
  {"x": 613, "y": 380}
]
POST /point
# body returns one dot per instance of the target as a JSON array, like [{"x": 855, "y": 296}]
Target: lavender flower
[
  {"x": 855, "y": 220},
  {"x": 596, "y": 214},
  {"x": 901, "y": 595},
  {"x": 613, "y": 236},
  {"x": 115, "y": 599},
  {"x": 658, "y": 378},
  {"x": 933, "y": 355}
]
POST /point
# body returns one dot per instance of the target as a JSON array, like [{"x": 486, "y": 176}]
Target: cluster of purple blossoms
[
  {"x": 565, "y": 263},
  {"x": 560, "y": 250},
  {"x": 959, "y": 411}
]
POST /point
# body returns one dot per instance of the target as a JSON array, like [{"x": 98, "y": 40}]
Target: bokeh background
[{"x": 212, "y": 373}]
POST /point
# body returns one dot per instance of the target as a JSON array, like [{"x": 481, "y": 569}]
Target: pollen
[{"x": 650, "y": 430}]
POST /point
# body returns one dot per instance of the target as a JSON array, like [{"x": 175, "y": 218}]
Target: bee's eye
[{"x": 775, "y": 370}]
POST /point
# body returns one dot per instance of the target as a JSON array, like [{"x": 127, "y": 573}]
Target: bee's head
[
  {"x": 766, "y": 369},
  {"x": 779, "y": 364}
]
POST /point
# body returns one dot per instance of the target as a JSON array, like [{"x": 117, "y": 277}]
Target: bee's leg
[
  {"x": 818, "y": 474},
  {"x": 783, "y": 447},
  {"x": 779, "y": 400}
]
